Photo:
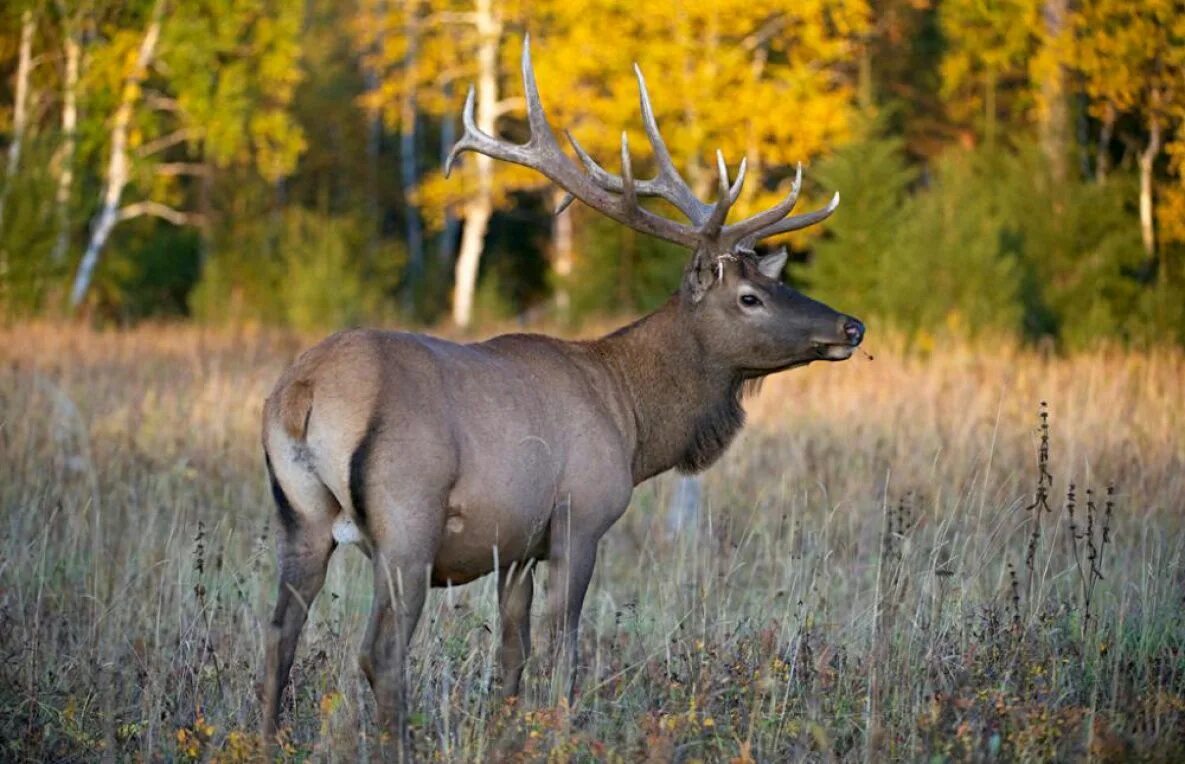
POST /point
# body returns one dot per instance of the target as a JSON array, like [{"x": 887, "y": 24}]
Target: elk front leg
[
  {"x": 571, "y": 560},
  {"x": 516, "y": 590}
]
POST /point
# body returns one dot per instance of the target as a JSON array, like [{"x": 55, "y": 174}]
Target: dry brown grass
[{"x": 856, "y": 586}]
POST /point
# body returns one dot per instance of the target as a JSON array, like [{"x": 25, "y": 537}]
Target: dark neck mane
[
  {"x": 713, "y": 432},
  {"x": 685, "y": 406}
]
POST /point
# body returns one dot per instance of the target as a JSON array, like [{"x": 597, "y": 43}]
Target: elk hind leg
[
  {"x": 304, "y": 546},
  {"x": 405, "y": 542}
]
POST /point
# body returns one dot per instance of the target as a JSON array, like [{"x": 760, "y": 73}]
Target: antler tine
[
  {"x": 735, "y": 192},
  {"x": 600, "y": 175},
  {"x": 628, "y": 191},
  {"x": 726, "y": 195},
  {"x": 565, "y": 203},
  {"x": 790, "y": 224},
  {"x": 542, "y": 153},
  {"x": 773, "y": 214},
  {"x": 647, "y": 187},
  {"x": 674, "y": 189},
  {"x": 474, "y": 139},
  {"x": 541, "y": 134},
  {"x": 466, "y": 142}
]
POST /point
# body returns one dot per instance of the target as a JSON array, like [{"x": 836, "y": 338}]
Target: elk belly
[{"x": 476, "y": 542}]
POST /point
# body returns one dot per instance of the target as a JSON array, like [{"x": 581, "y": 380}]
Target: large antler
[{"x": 617, "y": 195}]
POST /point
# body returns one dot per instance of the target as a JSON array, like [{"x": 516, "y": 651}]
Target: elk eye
[{"x": 750, "y": 300}]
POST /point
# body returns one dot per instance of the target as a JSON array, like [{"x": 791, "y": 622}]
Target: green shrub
[{"x": 299, "y": 268}]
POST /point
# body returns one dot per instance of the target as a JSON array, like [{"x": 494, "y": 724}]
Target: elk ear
[
  {"x": 698, "y": 277},
  {"x": 771, "y": 265}
]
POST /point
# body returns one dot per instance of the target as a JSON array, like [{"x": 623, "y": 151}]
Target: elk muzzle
[{"x": 849, "y": 335}]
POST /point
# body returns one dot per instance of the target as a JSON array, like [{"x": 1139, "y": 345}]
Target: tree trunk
[
  {"x": 448, "y": 235},
  {"x": 480, "y": 208},
  {"x": 20, "y": 116},
  {"x": 473, "y": 233},
  {"x": 117, "y": 165},
  {"x": 409, "y": 175},
  {"x": 864, "y": 88},
  {"x": 561, "y": 256},
  {"x": 1106, "y": 132},
  {"x": 1146, "y": 162},
  {"x": 989, "y": 109},
  {"x": 1054, "y": 117},
  {"x": 69, "y": 142}
]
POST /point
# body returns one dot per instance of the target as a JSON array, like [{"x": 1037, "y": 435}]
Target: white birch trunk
[
  {"x": 69, "y": 143},
  {"x": 480, "y": 208},
  {"x": 1147, "y": 203},
  {"x": 117, "y": 165},
  {"x": 20, "y": 114}
]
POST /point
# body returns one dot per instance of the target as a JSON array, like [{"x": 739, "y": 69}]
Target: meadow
[{"x": 907, "y": 557}]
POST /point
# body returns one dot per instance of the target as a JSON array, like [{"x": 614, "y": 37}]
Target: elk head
[{"x": 733, "y": 297}]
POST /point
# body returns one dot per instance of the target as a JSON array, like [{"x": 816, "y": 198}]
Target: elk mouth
[{"x": 833, "y": 351}]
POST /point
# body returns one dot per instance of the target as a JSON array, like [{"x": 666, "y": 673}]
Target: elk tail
[{"x": 295, "y": 406}]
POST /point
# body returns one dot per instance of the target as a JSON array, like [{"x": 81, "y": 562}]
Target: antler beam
[{"x": 617, "y": 196}]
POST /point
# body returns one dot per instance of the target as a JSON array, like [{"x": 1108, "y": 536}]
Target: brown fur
[
  {"x": 296, "y": 404},
  {"x": 447, "y": 462}
]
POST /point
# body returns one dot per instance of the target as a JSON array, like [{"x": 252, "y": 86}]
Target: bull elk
[{"x": 448, "y": 461}]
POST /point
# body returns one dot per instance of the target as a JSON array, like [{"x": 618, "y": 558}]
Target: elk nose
[{"x": 853, "y": 329}]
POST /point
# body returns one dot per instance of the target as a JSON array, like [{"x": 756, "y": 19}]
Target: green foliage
[
  {"x": 149, "y": 272},
  {"x": 929, "y": 263},
  {"x": 234, "y": 66},
  {"x": 1079, "y": 254},
  {"x": 619, "y": 271},
  {"x": 298, "y": 268},
  {"x": 856, "y": 264},
  {"x": 27, "y": 238},
  {"x": 991, "y": 242}
]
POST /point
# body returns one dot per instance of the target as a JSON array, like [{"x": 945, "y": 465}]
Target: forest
[
  {"x": 966, "y": 542},
  {"x": 1014, "y": 167}
]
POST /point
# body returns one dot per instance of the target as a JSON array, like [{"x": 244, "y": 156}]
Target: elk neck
[{"x": 683, "y": 405}]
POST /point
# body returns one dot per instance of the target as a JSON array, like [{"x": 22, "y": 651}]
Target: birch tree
[
  {"x": 219, "y": 99},
  {"x": 985, "y": 67},
  {"x": 118, "y": 163},
  {"x": 1132, "y": 60},
  {"x": 67, "y": 152},
  {"x": 20, "y": 114},
  {"x": 440, "y": 47}
]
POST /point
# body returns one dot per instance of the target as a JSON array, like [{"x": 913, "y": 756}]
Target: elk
[{"x": 446, "y": 462}]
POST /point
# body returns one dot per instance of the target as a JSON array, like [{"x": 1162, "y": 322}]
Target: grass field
[{"x": 866, "y": 579}]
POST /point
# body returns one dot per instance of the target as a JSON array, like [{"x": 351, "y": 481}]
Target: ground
[{"x": 868, "y": 577}]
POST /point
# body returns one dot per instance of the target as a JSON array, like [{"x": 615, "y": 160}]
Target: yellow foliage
[
  {"x": 760, "y": 80},
  {"x": 1131, "y": 57}
]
